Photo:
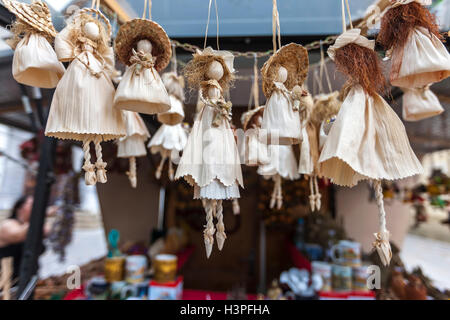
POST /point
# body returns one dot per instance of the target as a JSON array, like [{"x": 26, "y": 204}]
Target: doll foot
[
  {"x": 208, "y": 246},
  {"x": 90, "y": 177},
  {"x": 318, "y": 201},
  {"x": 101, "y": 172},
  {"x": 236, "y": 207},
  {"x": 133, "y": 181},
  {"x": 312, "y": 202},
  {"x": 158, "y": 175},
  {"x": 220, "y": 237}
]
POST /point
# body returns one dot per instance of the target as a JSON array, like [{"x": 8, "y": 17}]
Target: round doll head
[
  {"x": 215, "y": 71},
  {"x": 145, "y": 46},
  {"x": 282, "y": 74},
  {"x": 91, "y": 30}
]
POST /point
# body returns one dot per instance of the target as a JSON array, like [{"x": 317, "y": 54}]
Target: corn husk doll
[
  {"x": 367, "y": 140},
  {"x": 35, "y": 62},
  {"x": 282, "y": 75},
  {"x": 82, "y": 106},
  {"x": 171, "y": 137},
  {"x": 255, "y": 152},
  {"x": 145, "y": 48},
  {"x": 210, "y": 161},
  {"x": 133, "y": 145},
  {"x": 282, "y": 165},
  {"x": 411, "y": 35},
  {"x": 419, "y": 104}
]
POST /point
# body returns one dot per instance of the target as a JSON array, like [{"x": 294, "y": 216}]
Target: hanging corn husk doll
[
  {"x": 316, "y": 124},
  {"x": 419, "y": 104},
  {"x": 210, "y": 161},
  {"x": 411, "y": 35},
  {"x": 285, "y": 70},
  {"x": 144, "y": 47},
  {"x": 133, "y": 145},
  {"x": 282, "y": 165},
  {"x": 35, "y": 62},
  {"x": 367, "y": 140},
  {"x": 82, "y": 104},
  {"x": 171, "y": 137}
]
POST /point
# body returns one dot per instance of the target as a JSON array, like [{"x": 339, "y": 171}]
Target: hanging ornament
[
  {"x": 133, "y": 145},
  {"x": 282, "y": 165},
  {"x": 419, "y": 104},
  {"x": 35, "y": 62},
  {"x": 411, "y": 35},
  {"x": 367, "y": 140},
  {"x": 210, "y": 161},
  {"x": 82, "y": 104},
  {"x": 316, "y": 123},
  {"x": 145, "y": 48},
  {"x": 283, "y": 74}
]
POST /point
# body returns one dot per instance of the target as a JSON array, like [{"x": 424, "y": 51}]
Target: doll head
[
  {"x": 85, "y": 25},
  {"x": 398, "y": 22},
  {"x": 215, "y": 71},
  {"x": 281, "y": 75},
  {"x": 144, "y": 46},
  {"x": 362, "y": 66},
  {"x": 91, "y": 31}
]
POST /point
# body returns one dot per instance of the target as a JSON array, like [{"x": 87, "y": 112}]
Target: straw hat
[
  {"x": 396, "y": 3},
  {"x": 37, "y": 15},
  {"x": 350, "y": 36},
  {"x": 135, "y": 30},
  {"x": 248, "y": 116},
  {"x": 294, "y": 58}
]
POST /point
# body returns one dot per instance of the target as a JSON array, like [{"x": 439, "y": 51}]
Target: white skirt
[
  {"x": 419, "y": 104},
  {"x": 168, "y": 138},
  {"x": 282, "y": 162},
  {"x": 217, "y": 191},
  {"x": 35, "y": 63}
]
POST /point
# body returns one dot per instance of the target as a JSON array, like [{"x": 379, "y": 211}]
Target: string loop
[{"x": 207, "y": 24}]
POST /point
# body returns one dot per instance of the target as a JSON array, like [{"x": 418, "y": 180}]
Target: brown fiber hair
[
  {"x": 362, "y": 66},
  {"x": 398, "y": 22}
]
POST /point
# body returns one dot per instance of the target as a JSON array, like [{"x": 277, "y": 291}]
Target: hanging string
[
  {"x": 174, "y": 59},
  {"x": 324, "y": 69},
  {"x": 207, "y": 24},
  {"x": 276, "y": 30},
  {"x": 349, "y": 15},
  {"x": 149, "y": 4},
  {"x": 254, "y": 92},
  {"x": 344, "y": 23}
]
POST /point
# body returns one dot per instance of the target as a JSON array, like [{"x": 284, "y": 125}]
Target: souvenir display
[
  {"x": 419, "y": 104},
  {"x": 282, "y": 165},
  {"x": 367, "y": 140},
  {"x": 210, "y": 161},
  {"x": 133, "y": 145},
  {"x": 35, "y": 62},
  {"x": 411, "y": 35},
  {"x": 145, "y": 48},
  {"x": 82, "y": 106}
]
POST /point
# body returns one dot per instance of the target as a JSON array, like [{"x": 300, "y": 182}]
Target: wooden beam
[{"x": 117, "y": 8}]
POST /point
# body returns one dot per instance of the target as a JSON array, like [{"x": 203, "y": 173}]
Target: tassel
[
  {"x": 318, "y": 195},
  {"x": 382, "y": 237},
  {"x": 220, "y": 234},
  {"x": 88, "y": 167},
  {"x": 209, "y": 231},
  {"x": 236, "y": 207},
  {"x": 312, "y": 197},
  {"x": 100, "y": 164},
  {"x": 132, "y": 173},
  {"x": 161, "y": 166}
]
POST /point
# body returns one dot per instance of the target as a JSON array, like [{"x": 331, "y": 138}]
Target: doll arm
[{"x": 64, "y": 47}]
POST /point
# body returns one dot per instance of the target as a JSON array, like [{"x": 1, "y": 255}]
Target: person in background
[{"x": 13, "y": 231}]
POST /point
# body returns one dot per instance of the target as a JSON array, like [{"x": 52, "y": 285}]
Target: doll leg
[
  {"x": 318, "y": 195},
  {"x": 209, "y": 231},
  {"x": 312, "y": 197},
  {"x": 273, "y": 198},
  {"x": 220, "y": 234},
  {"x": 100, "y": 164},
  {"x": 279, "y": 193},
  {"x": 88, "y": 167},
  {"x": 161, "y": 165},
  {"x": 171, "y": 173},
  {"x": 382, "y": 237},
  {"x": 236, "y": 207},
  {"x": 132, "y": 173}
]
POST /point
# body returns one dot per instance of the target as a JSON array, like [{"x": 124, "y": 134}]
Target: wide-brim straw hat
[
  {"x": 247, "y": 117},
  {"x": 37, "y": 15},
  {"x": 294, "y": 58},
  {"x": 350, "y": 36},
  {"x": 135, "y": 30}
]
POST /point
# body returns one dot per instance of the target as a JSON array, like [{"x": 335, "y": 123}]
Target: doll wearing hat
[
  {"x": 286, "y": 69},
  {"x": 144, "y": 47},
  {"x": 82, "y": 104},
  {"x": 411, "y": 35},
  {"x": 133, "y": 145},
  {"x": 254, "y": 151},
  {"x": 171, "y": 137},
  {"x": 35, "y": 62},
  {"x": 419, "y": 104},
  {"x": 210, "y": 161}
]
